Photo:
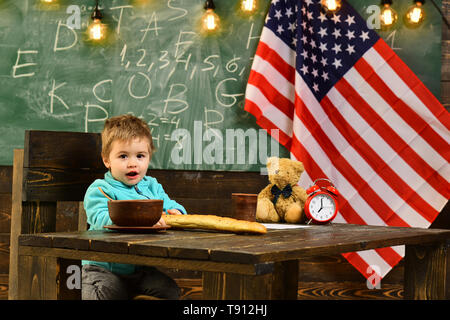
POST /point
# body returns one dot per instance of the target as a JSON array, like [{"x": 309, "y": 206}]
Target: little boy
[{"x": 127, "y": 148}]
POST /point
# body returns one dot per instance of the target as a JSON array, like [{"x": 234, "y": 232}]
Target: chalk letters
[
  {"x": 75, "y": 38},
  {"x": 23, "y": 65},
  {"x": 53, "y": 95}
]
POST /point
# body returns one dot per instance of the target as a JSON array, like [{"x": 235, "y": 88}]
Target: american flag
[{"x": 351, "y": 110}]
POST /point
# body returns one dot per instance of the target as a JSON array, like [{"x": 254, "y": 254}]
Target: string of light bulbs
[
  {"x": 211, "y": 21},
  {"x": 413, "y": 18}
]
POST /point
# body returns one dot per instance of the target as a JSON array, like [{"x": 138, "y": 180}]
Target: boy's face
[{"x": 128, "y": 160}]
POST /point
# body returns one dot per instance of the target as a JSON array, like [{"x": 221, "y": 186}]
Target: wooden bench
[{"x": 58, "y": 166}]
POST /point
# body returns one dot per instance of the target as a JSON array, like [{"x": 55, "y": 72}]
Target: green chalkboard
[{"x": 158, "y": 66}]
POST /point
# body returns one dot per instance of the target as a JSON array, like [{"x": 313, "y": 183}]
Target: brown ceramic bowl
[{"x": 135, "y": 212}]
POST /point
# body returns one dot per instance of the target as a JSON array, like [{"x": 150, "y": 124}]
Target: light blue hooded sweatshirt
[{"x": 96, "y": 206}]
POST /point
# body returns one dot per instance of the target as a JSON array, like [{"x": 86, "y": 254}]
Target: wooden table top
[{"x": 275, "y": 245}]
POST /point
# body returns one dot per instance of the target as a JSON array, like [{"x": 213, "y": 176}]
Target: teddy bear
[{"x": 282, "y": 200}]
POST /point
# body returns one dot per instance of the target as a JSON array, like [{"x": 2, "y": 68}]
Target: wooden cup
[{"x": 243, "y": 206}]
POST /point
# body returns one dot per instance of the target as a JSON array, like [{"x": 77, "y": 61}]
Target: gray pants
[{"x": 101, "y": 284}]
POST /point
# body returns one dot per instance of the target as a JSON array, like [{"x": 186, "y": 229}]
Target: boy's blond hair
[{"x": 125, "y": 128}]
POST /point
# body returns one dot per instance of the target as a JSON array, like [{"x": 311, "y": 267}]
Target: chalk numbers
[
  {"x": 160, "y": 66},
  {"x": 155, "y": 122}
]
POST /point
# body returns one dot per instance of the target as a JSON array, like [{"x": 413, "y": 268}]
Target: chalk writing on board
[
  {"x": 56, "y": 47},
  {"x": 153, "y": 20},
  {"x": 143, "y": 78},
  {"x": 53, "y": 95},
  {"x": 183, "y": 12},
  {"x": 157, "y": 66},
  {"x": 119, "y": 20},
  {"x": 390, "y": 39},
  {"x": 18, "y": 65},
  {"x": 101, "y": 85}
]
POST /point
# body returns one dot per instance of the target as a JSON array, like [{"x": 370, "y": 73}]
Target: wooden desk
[{"x": 234, "y": 266}]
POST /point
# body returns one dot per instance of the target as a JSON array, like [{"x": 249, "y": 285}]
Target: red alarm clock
[{"x": 321, "y": 206}]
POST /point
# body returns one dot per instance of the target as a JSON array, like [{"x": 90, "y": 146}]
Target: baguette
[{"x": 212, "y": 222}]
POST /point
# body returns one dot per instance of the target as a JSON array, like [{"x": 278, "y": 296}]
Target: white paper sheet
[{"x": 284, "y": 226}]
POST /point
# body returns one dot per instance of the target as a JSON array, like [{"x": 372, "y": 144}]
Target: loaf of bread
[{"x": 212, "y": 222}]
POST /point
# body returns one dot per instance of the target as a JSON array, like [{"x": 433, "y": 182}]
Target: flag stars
[
  {"x": 336, "y": 33},
  {"x": 304, "y": 39},
  {"x": 280, "y": 29},
  {"x": 323, "y": 47},
  {"x": 364, "y": 35},
  {"x": 336, "y": 18},
  {"x": 350, "y": 34},
  {"x": 304, "y": 69},
  {"x": 323, "y": 32},
  {"x": 350, "y": 20},
  {"x": 315, "y": 87},
  {"x": 325, "y": 44},
  {"x": 322, "y": 17},
  {"x": 304, "y": 54},
  {"x": 337, "y": 48},
  {"x": 350, "y": 49},
  {"x": 292, "y": 26},
  {"x": 278, "y": 14},
  {"x": 289, "y": 12},
  {"x": 337, "y": 63}
]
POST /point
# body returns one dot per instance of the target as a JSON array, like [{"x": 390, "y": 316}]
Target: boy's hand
[
  {"x": 161, "y": 221},
  {"x": 173, "y": 211}
]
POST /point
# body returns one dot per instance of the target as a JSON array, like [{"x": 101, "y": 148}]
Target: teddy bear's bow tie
[{"x": 286, "y": 192}]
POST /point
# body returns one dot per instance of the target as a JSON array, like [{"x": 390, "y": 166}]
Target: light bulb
[
  {"x": 96, "y": 30},
  {"x": 388, "y": 17},
  {"x": 141, "y": 3},
  {"x": 331, "y": 6},
  {"x": 49, "y": 4},
  {"x": 415, "y": 15},
  {"x": 210, "y": 20},
  {"x": 248, "y": 6}
]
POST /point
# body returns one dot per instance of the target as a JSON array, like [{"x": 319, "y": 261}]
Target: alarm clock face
[{"x": 322, "y": 207}]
